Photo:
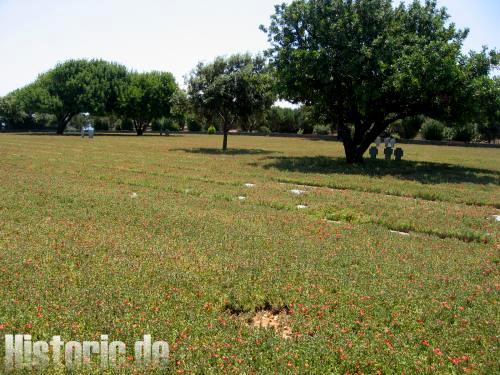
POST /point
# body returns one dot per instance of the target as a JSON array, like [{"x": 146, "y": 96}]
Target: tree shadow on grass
[
  {"x": 231, "y": 151},
  {"x": 423, "y": 172}
]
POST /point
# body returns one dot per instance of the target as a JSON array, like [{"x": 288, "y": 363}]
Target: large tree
[
  {"x": 366, "y": 63},
  {"x": 147, "y": 97},
  {"x": 231, "y": 90},
  {"x": 73, "y": 87}
]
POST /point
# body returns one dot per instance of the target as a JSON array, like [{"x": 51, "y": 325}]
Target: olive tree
[{"x": 231, "y": 90}]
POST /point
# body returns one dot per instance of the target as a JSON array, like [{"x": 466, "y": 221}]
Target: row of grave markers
[{"x": 389, "y": 150}]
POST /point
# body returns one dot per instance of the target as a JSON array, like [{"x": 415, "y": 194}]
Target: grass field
[{"x": 189, "y": 262}]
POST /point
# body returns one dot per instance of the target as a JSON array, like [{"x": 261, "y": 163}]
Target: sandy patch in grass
[{"x": 272, "y": 320}]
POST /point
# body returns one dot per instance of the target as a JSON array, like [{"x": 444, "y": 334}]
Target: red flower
[
  {"x": 458, "y": 360},
  {"x": 389, "y": 344},
  {"x": 437, "y": 351},
  {"x": 425, "y": 343}
]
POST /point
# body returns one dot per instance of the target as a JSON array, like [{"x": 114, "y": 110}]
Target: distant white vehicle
[{"x": 88, "y": 128}]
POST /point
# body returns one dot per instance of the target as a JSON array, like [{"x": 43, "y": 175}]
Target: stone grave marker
[
  {"x": 398, "y": 154},
  {"x": 388, "y": 153},
  {"x": 373, "y": 152}
]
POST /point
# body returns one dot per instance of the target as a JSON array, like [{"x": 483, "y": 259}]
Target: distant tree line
[
  {"x": 357, "y": 69},
  {"x": 99, "y": 87}
]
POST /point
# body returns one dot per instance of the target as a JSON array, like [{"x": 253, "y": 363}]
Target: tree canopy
[
  {"x": 366, "y": 63},
  {"x": 231, "y": 90},
  {"x": 76, "y": 86},
  {"x": 147, "y": 97},
  {"x": 9, "y": 111},
  {"x": 488, "y": 97}
]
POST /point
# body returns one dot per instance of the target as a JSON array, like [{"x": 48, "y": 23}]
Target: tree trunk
[
  {"x": 356, "y": 148},
  {"x": 60, "y": 128},
  {"x": 224, "y": 141},
  {"x": 353, "y": 154},
  {"x": 140, "y": 127},
  {"x": 63, "y": 121}
]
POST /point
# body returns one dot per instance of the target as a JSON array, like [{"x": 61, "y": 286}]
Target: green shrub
[
  {"x": 164, "y": 124},
  {"x": 157, "y": 125},
  {"x": 264, "y": 129},
  {"x": 194, "y": 125},
  {"x": 173, "y": 127},
  {"x": 407, "y": 128},
  {"x": 282, "y": 120},
  {"x": 433, "y": 130},
  {"x": 211, "y": 130},
  {"x": 488, "y": 131},
  {"x": 321, "y": 129},
  {"x": 448, "y": 133},
  {"x": 125, "y": 124},
  {"x": 101, "y": 124},
  {"x": 463, "y": 133}
]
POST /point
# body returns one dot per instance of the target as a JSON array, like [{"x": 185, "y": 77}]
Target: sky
[{"x": 169, "y": 35}]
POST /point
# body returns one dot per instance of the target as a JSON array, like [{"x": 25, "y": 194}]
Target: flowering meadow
[{"x": 388, "y": 267}]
